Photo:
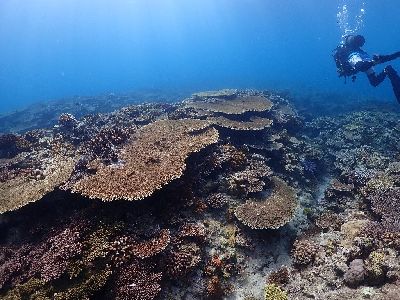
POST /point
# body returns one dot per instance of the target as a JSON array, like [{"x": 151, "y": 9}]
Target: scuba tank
[{"x": 341, "y": 56}]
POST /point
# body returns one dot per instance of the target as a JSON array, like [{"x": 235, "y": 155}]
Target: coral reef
[{"x": 214, "y": 169}]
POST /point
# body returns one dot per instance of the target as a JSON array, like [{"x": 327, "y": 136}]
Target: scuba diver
[{"x": 351, "y": 59}]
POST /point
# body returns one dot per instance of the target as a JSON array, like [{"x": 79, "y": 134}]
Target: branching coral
[
  {"x": 217, "y": 200},
  {"x": 194, "y": 231},
  {"x": 252, "y": 179},
  {"x": 124, "y": 248},
  {"x": 181, "y": 259},
  {"x": 153, "y": 246},
  {"x": 329, "y": 220},
  {"x": 137, "y": 281},
  {"x": 272, "y": 213},
  {"x": 303, "y": 252},
  {"x": 279, "y": 277},
  {"x": 155, "y": 156},
  {"x": 384, "y": 194}
]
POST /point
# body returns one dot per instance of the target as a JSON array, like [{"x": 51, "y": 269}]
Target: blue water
[{"x": 51, "y": 49}]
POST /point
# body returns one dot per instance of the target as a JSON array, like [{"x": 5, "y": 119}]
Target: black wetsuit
[{"x": 360, "y": 61}]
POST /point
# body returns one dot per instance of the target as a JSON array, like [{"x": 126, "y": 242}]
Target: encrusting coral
[
  {"x": 273, "y": 212},
  {"x": 154, "y": 157}
]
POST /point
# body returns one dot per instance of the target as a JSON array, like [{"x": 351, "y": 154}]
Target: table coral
[
  {"x": 273, "y": 212},
  {"x": 236, "y": 106},
  {"x": 254, "y": 123},
  {"x": 21, "y": 190},
  {"x": 154, "y": 157}
]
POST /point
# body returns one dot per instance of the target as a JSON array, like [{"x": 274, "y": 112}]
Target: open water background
[{"x": 51, "y": 49}]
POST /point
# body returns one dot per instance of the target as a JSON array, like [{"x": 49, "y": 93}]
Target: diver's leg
[
  {"x": 374, "y": 79},
  {"x": 395, "y": 80}
]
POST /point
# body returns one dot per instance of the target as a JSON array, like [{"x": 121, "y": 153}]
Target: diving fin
[{"x": 395, "y": 80}]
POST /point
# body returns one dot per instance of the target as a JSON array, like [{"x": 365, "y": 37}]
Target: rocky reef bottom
[{"x": 227, "y": 194}]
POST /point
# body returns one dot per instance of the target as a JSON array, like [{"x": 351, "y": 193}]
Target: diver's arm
[{"x": 380, "y": 59}]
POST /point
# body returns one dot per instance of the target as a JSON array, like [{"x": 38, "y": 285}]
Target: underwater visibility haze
[
  {"x": 199, "y": 150},
  {"x": 65, "y": 48}
]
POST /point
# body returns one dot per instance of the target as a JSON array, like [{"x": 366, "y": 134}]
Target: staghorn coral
[
  {"x": 21, "y": 190},
  {"x": 47, "y": 260},
  {"x": 303, "y": 252},
  {"x": 384, "y": 195},
  {"x": 387, "y": 204},
  {"x": 378, "y": 235},
  {"x": 155, "y": 156},
  {"x": 13, "y": 265},
  {"x": 272, "y": 213},
  {"x": 51, "y": 259},
  {"x": 104, "y": 144},
  {"x": 228, "y": 158},
  {"x": 236, "y": 106}
]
